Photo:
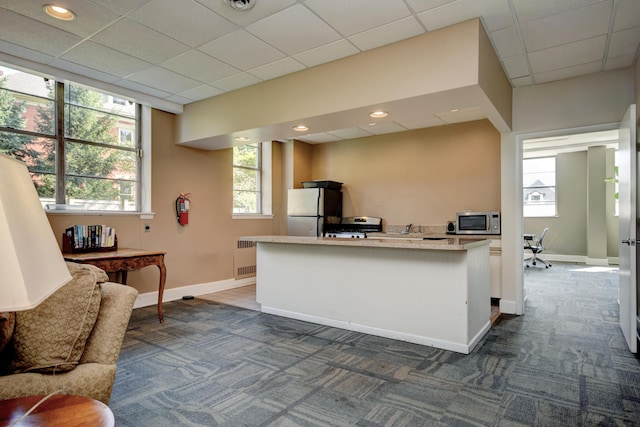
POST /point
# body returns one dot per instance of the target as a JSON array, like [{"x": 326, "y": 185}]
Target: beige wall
[
  {"x": 422, "y": 177},
  {"x": 202, "y": 251}
]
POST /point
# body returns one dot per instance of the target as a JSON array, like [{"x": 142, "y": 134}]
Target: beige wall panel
[
  {"x": 436, "y": 61},
  {"x": 200, "y": 252},
  {"x": 302, "y": 153},
  {"x": 582, "y": 101},
  {"x": 421, "y": 177},
  {"x": 567, "y": 231}
]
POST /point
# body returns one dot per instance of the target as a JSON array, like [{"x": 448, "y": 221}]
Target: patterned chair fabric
[{"x": 94, "y": 375}]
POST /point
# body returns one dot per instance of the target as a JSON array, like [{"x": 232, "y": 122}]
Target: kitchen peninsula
[{"x": 429, "y": 292}]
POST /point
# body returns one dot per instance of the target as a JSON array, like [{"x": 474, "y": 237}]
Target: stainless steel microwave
[{"x": 475, "y": 223}]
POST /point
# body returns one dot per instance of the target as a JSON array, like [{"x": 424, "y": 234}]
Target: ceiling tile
[
  {"x": 317, "y": 138},
  {"x": 528, "y": 10},
  {"x": 624, "y": 42},
  {"x": 617, "y": 62},
  {"x": 423, "y": 122},
  {"x": 163, "y": 79},
  {"x": 242, "y": 50},
  {"x": 386, "y": 127},
  {"x": 198, "y": 66},
  {"x": 262, "y": 9},
  {"x": 567, "y": 27},
  {"x": 422, "y": 5},
  {"x": 462, "y": 115},
  {"x": 11, "y": 49},
  {"x": 581, "y": 52},
  {"x": 522, "y": 81},
  {"x": 387, "y": 34},
  {"x": 184, "y": 20},
  {"x": 627, "y": 15},
  {"x": 121, "y": 6},
  {"x": 235, "y": 82},
  {"x": 507, "y": 42},
  {"x": 90, "y": 16},
  {"x": 496, "y": 14},
  {"x": 102, "y": 58},
  {"x": 355, "y": 16},
  {"x": 201, "y": 92},
  {"x": 327, "y": 53},
  {"x": 40, "y": 37},
  {"x": 84, "y": 71},
  {"x": 276, "y": 69},
  {"x": 142, "y": 88},
  {"x": 135, "y": 39},
  {"x": 516, "y": 66},
  {"x": 566, "y": 73},
  {"x": 350, "y": 133},
  {"x": 294, "y": 30}
]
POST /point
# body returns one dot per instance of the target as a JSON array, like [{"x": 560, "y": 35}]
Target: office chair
[{"x": 537, "y": 247}]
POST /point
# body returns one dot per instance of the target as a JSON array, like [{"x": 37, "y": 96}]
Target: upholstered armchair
[{"x": 45, "y": 339}]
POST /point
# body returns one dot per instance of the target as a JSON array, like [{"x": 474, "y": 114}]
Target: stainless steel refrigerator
[{"x": 309, "y": 209}]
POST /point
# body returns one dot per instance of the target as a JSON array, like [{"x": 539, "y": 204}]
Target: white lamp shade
[{"x": 31, "y": 263}]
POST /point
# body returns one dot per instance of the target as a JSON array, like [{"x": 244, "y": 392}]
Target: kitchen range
[{"x": 354, "y": 227}]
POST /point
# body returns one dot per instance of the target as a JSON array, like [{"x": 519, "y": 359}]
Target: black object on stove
[{"x": 354, "y": 227}]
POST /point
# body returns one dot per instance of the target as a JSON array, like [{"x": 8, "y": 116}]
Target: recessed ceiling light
[
  {"x": 454, "y": 110},
  {"x": 241, "y": 4},
  {"x": 300, "y": 128},
  {"x": 242, "y": 139},
  {"x": 378, "y": 114},
  {"x": 59, "y": 12}
]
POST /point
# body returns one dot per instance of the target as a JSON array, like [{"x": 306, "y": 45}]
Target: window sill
[
  {"x": 251, "y": 216},
  {"x": 142, "y": 215}
]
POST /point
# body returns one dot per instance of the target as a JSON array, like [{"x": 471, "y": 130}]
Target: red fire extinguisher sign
[{"x": 182, "y": 208}]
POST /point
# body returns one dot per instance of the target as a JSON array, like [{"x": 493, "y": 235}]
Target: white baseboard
[
  {"x": 507, "y": 307},
  {"x": 172, "y": 294},
  {"x": 386, "y": 333}
]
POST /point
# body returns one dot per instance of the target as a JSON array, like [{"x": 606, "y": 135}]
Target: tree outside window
[
  {"x": 539, "y": 187},
  {"x": 98, "y": 139},
  {"x": 247, "y": 171}
]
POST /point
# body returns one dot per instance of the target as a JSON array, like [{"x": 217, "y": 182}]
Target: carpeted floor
[{"x": 564, "y": 363}]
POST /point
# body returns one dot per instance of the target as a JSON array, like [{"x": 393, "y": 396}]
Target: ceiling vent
[{"x": 241, "y": 4}]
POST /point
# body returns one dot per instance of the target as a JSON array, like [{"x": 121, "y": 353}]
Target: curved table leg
[{"x": 163, "y": 277}]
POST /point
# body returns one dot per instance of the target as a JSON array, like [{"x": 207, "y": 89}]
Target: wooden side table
[
  {"x": 123, "y": 260},
  {"x": 58, "y": 410}
]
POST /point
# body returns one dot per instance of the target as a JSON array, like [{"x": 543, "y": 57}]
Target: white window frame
[
  {"x": 266, "y": 185},
  {"x": 555, "y": 188}
]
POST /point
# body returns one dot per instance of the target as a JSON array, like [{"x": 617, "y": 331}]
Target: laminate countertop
[{"x": 381, "y": 240}]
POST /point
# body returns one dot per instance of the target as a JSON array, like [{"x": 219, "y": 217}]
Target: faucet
[{"x": 407, "y": 229}]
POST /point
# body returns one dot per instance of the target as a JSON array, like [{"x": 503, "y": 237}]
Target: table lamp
[{"x": 31, "y": 263}]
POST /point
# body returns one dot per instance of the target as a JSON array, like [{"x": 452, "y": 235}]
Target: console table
[
  {"x": 123, "y": 260},
  {"x": 56, "y": 411}
]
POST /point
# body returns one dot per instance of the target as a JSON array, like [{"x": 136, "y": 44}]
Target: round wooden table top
[{"x": 57, "y": 410}]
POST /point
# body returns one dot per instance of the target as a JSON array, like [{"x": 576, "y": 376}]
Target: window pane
[
  {"x": 97, "y": 161},
  {"x": 37, "y": 153},
  {"x": 245, "y": 179},
  {"x": 246, "y": 202},
  {"x": 84, "y": 97},
  {"x": 100, "y": 194},
  {"x": 26, "y": 102},
  {"x": 539, "y": 191},
  {"x": 91, "y": 125},
  {"x": 46, "y": 187},
  {"x": 246, "y": 155}
]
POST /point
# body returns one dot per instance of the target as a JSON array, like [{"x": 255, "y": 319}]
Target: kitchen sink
[{"x": 434, "y": 238}]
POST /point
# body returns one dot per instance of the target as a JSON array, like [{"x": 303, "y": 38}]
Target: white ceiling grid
[{"x": 185, "y": 50}]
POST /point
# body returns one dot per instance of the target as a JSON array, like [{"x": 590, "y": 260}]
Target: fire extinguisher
[{"x": 182, "y": 208}]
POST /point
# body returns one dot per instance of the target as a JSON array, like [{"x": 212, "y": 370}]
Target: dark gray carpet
[{"x": 564, "y": 363}]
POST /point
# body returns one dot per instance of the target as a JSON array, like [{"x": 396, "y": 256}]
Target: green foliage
[
  {"x": 12, "y": 116},
  {"x": 613, "y": 180},
  {"x": 246, "y": 179}
]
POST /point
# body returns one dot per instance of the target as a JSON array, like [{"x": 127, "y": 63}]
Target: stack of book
[{"x": 91, "y": 236}]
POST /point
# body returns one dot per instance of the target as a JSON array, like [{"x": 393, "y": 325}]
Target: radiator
[{"x": 244, "y": 259}]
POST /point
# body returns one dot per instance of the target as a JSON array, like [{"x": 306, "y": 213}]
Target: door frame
[{"x": 512, "y": 215}]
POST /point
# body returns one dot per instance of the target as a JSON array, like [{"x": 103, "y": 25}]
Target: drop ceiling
[{"x": 168, "y": 53}]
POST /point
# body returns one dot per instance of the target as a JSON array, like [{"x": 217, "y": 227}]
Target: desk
[
  {"x": 57, "y": 411},
  {"x": 122, "y": 260}
]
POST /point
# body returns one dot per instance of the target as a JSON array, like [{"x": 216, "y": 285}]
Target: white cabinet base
[{"x": 439, "y": 298}]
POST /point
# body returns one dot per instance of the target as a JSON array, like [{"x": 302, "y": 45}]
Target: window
[
  {"x": 539, "y": 187},
  {"x": 247, "y": 174},
  {"x": 80, "y": 146}
]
